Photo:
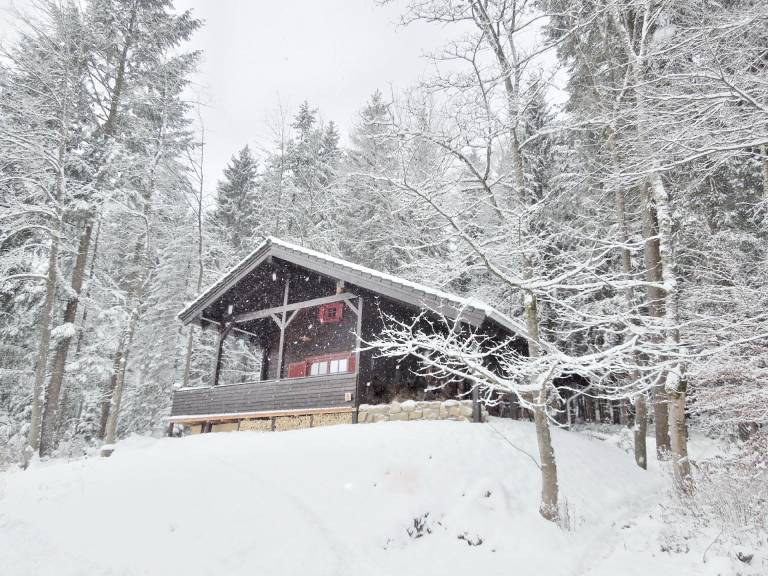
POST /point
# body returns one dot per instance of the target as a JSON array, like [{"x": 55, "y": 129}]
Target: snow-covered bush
[{"x": 731, "y": 494}]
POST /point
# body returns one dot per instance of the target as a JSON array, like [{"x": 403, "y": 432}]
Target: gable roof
[{"x": 469, "y": 310}]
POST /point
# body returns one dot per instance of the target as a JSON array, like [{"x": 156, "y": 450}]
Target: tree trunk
[
  {"x": 511, "y": 75},
  {"x": 110, "y": 409},
  {"x": 674, "y": 384},
  {"x": 33, "y": 437},
  {"x": 636, "y": 55},
  {"x": 680, "y": 460},
  {"x": 46, "y": 317},
  {"x": 641, "y": 430},
  {"x": 108, "y": 130},
  {"x": 200, "y": 270},
  {"x": 641, "y": 409},
  {"x": 548, "y": 506},
  {"x": 106, "y": 398},
  {"x": 143, "y": 260},
  {"x": 91, "y": 273},
  {"x": 110, "y": 125},
  {"x": 121, "y": 362},
  {"x": 652, "y": 257},
  {"x": 764, "y": 154},
  {"x": 47, "y": 440},
  {"x": 188, "y": 358}
]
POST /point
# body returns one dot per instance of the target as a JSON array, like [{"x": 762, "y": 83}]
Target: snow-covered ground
[{"x": 395, "y": 498}]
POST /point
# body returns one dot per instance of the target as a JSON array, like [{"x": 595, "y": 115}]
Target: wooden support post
[
  {"x": 476, "y": 414},
  {"x": 358, "y": 341},
  {"x": 282, "y": 323},
  {"x": 223, "y": 332},
  {"x": 170, "y": 430}
]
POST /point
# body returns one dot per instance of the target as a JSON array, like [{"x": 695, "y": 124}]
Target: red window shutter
[
  {"x": 331, "y": 313},
  {"x": 297, "y": 369},
  {"x": 351, "y": 362}
]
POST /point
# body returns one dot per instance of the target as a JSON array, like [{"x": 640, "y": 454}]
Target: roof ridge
[
  {"x": 247, "y": 264},
  {"x": 384, "y": 275}
]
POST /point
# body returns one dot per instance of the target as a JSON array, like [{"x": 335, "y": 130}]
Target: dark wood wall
[
  {"x": 294, "y": 394},
  {"x": 306, "y": 336}
]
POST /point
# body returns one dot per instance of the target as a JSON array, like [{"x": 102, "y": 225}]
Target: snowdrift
[{"x": 384, "y": 499}]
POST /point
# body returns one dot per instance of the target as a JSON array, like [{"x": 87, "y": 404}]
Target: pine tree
[
  {"x": 127, "y": 41},
  {"x": 371, "y": 208},
  {"x": 41, "y": 136},
  {"x": 238, "y": 205}
]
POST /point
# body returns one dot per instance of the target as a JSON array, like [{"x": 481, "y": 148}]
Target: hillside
[{"x": 341, "y": 500}]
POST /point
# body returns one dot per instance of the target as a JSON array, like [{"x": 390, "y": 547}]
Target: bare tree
[
  {"x": 535, "y": 240},
  {"x": 196, "y": 204}
]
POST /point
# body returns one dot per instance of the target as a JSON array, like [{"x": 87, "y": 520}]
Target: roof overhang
[{"x": 470, "y": 311}]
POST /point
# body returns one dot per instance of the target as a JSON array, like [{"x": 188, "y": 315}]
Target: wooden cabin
[{"x": 305, "y": 314}]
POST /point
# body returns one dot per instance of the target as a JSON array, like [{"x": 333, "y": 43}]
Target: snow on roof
[
  {"x": 469, "y": 309},
  {"x": 375, "y": 273}
]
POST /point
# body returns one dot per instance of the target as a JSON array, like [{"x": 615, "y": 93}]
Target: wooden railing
[{"x": 270, "y": 395}]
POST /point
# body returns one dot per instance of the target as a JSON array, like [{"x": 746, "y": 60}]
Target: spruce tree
[{"x": 237, "y": 202}]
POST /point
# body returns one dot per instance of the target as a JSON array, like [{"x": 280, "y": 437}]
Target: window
[
  {"x": 331, "y": 313},
  {"x": 332, "y": 364},
  {"x": 318, "y": 369},
  {"x": 339, "y": 366}
]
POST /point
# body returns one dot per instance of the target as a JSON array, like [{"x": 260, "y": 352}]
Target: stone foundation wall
[
  {"x": 460, "y": 410},
  {"x": 292, "y": 422},
  {"x": 257, "y": 425},
  {"x": 224, "y": 427},
  {"x": 279, "y": 423},
  {"x": 331, "y": 419}
]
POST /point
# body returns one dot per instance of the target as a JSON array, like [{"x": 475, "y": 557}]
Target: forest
[{"x": 597, "y": 170}]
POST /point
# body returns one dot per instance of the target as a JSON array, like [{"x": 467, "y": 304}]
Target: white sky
[{"x": 261, "y": 55}]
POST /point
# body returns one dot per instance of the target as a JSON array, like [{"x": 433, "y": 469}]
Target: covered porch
[{"x": 309, "y": 360}]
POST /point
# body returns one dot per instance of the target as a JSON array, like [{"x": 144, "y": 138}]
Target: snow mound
[{"x": 395, "y": 498}]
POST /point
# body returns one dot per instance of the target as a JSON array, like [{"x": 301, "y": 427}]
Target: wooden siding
[
  {"x": 290, "y": 394},
  {"x": 306, "y": 337}
]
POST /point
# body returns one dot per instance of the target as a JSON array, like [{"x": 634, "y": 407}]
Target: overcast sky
[{"x": 261, "y": 55}]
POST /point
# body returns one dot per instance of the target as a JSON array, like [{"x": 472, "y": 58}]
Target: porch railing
[{"x": 313, "y": 392}]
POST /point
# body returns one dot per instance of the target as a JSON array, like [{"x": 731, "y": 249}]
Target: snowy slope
[{"x": 337, "y": 501}]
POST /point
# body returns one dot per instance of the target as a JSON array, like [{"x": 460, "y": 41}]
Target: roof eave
[
  {"x": 438, "y": 303},
  {"x": 193, "y": 310}
]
